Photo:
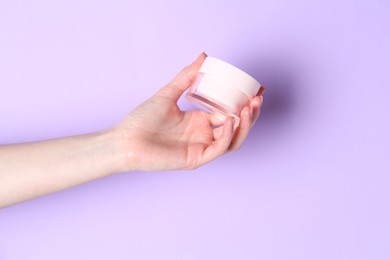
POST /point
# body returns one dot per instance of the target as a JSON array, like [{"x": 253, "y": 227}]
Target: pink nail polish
[{"x": 222, "y": 89}]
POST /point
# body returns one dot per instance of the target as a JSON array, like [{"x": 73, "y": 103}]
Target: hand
[{"x": 159, "y": 136}]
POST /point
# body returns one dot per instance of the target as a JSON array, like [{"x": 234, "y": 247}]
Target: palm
[{"x": 171, "y": 138}]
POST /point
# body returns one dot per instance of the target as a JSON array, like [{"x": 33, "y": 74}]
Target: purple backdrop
[{"x": 312, "y": 180}]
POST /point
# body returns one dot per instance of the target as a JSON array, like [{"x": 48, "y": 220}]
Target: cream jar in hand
[{"x": 222, "y": 88}]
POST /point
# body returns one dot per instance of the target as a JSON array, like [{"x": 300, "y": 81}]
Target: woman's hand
[{"x": 159, "y": 136}]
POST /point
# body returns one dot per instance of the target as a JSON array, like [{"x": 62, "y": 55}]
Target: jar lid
[{"x": 231, "y": 75}]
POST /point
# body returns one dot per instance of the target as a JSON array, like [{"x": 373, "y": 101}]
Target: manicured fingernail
[
  {"x": 261, "y": 91},
  {"x": 235, "y": 123},
  {"x": 203, "y": 53},
  {"x": 261, "y": 100}
]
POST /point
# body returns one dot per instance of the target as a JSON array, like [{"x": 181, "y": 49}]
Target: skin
[{"x": 155, "y": 136}]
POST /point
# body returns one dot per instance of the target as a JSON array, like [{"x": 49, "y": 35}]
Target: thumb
[{"x": 183, "y": 80}]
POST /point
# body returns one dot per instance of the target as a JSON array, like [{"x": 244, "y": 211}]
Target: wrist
[
  {"x": 123, "y": 150},
  {"x": 114, "y": 151}
]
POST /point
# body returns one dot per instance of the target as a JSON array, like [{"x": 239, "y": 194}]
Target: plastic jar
[{"x": 222, "y": 89}]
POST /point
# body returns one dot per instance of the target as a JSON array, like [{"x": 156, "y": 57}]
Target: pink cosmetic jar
[{"x": 222, "y": 89}]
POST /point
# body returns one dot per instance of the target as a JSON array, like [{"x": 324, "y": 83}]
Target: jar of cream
[{"x": 222, "y": 89}]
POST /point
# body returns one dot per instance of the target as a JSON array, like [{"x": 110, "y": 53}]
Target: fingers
[
  {"x": 256, "y": 104},
  {"x": 243, "y": 129},
  {"x": 221, "y": 145},
  {"x": 249, "y": 115},
  {"x": 183, "y": 80},
  {"x": 226, "y": 137}
]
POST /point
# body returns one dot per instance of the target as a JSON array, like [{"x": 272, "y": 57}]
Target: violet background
[{"x": 311, "y": 181}]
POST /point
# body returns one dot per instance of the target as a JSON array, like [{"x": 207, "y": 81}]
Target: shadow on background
[{"x": 280, "y": 77}]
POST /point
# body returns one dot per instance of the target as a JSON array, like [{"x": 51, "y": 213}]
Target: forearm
[{"x": 33, "y": 169}]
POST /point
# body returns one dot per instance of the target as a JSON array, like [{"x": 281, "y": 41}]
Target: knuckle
[
  {"x": 192, "y": 164},
  {"x": 192, "y": 167}
]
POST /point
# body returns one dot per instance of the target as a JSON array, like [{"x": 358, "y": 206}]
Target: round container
[{"x": 222, "y": 89}]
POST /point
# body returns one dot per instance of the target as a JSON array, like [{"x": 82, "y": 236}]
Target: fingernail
[
  {"x": 203, "y": 53},
  {"x": 261, "y": 100},
  {"x": 236, "y": 122},
  {"x": 261, "y": 91}
]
